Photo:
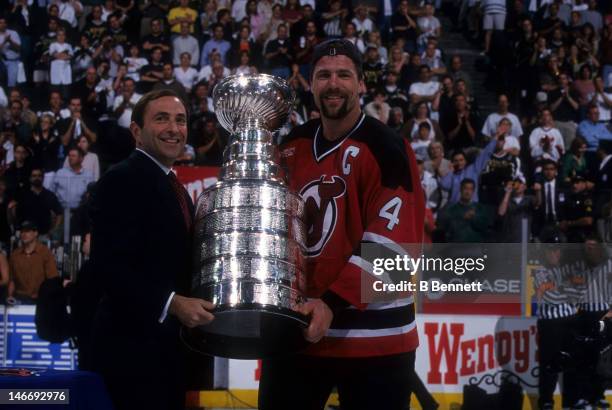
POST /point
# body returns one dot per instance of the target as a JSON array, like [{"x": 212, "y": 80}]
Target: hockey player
[{"x": 360, "y": 184}]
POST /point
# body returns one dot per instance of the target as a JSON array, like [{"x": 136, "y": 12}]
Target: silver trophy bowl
[{"x": 249, "y": 231}]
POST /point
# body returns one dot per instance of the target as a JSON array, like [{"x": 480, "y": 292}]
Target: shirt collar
[{"x": 159, "y": 164}]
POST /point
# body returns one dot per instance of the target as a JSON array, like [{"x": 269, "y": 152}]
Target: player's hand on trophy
[
  {"x": 320, "y": 319},
  {"x": 191, "y": 312}
]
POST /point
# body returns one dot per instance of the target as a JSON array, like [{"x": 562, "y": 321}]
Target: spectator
[
  {"x": 545, "y": 141},
  {"x": 124, "y": 103},
  {"x": 279, "y": 53},
  {"x": 452, "y": 181},
  {"x": 29, "y": 266},
  {"x": 420, "y": 143},
  {"x": 90, "y": 159},
  {"x": 206, "y": 72},
  {"x": 603, "y": 100},
  {"x": 244, "y": 66},
  {"x": 168, "y": 82},
  {"x": 256, "y": 19},
  {"x": 426, "y": 90},
  {"x": 494, "y": 19},
  {"x": 77, "y": 125},
  {"x": 549, "y": 198},
  {"x": 18, "y": 173},
  {"x": 429, "y": 184},
  {"x": 458, "y": 73},
  {"x": 395, "y": 95},
  {"x": 135, "y": 63},
  {"x": 574, "y": 161},
  {"x": 39, "y": 205},
  {"x": 461, "y": 126},
  {"x": 373, "y": 70},
  {"x": 216, "y": 44},
  {"x": 83, "y": 58},
  {"x": 181, "y": 14},
  {"x": 55, "y": 107},
  {"x": 429, "y": 27},
  {"x": 91, "y": 93},
  {"x": 501, "y": 168},
  {"x": 437, "y": 164},
  {"x": 465, "y": 220},
  {"x": 152, "y": 72},
  {"x": 432, "y": 57},
  {"x": 592, "y": 130},
  {"x": 361, "y": 22},
  {"x": 10, "y": 46},
  {"x": 489, "y": 129},
  {"x": 208, "y": 143},
  {"x": 156, "y": 39},
  {"x": 421, "y": 115},
  {"x": 245, "y": 43},
  {"x": 333, "y": 19},
  {"x": 184, "y": 73},
  {"x": 22, "y": 129},
  {"x": 577, "y": 211},
  {"x": 45, "y": 145},
  {"x": 584, "y": 86},
  {"x": 404, "y": 26},
  {"x": 350, "y": 34},
  {"x": 564, "y": 106},
  {"x": 69, "y": 184},
  {"x": 378, "y": 108},
  {"x": 514, "y": 207}
]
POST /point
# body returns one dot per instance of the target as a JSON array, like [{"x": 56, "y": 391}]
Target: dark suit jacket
[
  {"x": 603, "y": 187},
  {"x": 539, "y": 217},
  {"x": 141, "y": 252}
]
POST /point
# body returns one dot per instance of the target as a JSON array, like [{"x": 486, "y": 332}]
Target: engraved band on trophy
[{"x": 249, "y": 230}]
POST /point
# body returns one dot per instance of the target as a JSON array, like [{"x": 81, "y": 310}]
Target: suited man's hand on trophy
[
  {"x": 191, "y": 312},
  {"x": 320, "y": 319}
]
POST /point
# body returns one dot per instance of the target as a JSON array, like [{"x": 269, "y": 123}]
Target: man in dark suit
[
  {"x": 549, "y": 198},
  {"x": 141, "y": 252}
]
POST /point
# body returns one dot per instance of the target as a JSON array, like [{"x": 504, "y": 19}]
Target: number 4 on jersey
[{"x": 390, "y": 211}]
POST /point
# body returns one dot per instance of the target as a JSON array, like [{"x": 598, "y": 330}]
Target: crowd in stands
[{"x": 71, "y": 72}]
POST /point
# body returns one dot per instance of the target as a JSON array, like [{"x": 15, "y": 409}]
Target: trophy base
[{"x": 249, "y": 331}]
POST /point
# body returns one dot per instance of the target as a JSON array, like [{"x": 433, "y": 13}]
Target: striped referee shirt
[
  {"x": 555, "y": 292},
  {"x": 594, "y": 283}
]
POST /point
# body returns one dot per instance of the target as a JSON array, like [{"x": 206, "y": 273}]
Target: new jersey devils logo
[{"x": 321, "y": 211}]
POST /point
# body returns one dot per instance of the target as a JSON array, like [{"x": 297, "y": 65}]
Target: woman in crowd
[{"x": 421, "y": 114}]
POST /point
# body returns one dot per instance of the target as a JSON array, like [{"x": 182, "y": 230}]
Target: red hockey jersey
[{"x": 363, "y": 188}]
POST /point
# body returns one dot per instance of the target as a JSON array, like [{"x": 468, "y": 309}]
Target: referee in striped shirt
[
  {"x": 556, "y": 322},
  {"x": 593, "y": 275}
]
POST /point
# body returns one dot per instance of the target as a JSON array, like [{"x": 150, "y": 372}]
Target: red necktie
[{"x": 181, "y": 195}]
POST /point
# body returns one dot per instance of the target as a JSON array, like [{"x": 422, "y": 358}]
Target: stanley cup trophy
[{"x": 249, "y": 231}]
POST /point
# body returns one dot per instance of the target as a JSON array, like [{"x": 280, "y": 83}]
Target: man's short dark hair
[
  {"x": 549, "y": 162},
  {"x": 141, "y": 105},
  {"x": 459, "y": 152},
  {"x": 467, "y": 181},
  {"x": 338, "y": 47},
  {"x": 425, "y": 124},
  {"x": 78, "y": 150}
]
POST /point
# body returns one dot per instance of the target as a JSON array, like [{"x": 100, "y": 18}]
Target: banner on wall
[
  {"x": 22, "y": 346},
  {"x": 197, "y": 179},
  {"x": 455, "y": 351}
]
